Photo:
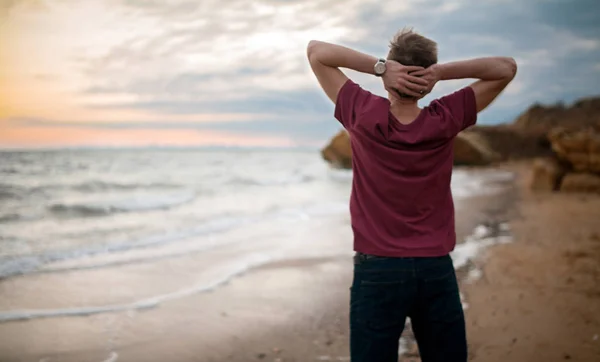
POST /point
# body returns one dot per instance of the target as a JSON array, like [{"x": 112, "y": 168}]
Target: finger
[
  {"x": 420, "y": 73},
  {"x": 419, "y": 89},
  {"x": 414, "y": 86},
  {"x": 416, "y": 80},
  {"x": 410, "y": 92},
  {"x": 396, "y": 92},
  {"x": 412, "y": 68}
]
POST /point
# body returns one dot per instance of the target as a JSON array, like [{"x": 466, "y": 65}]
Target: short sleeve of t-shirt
[
  {"x": 462, "y": 107},
  {"x": 351, "y": 98}
]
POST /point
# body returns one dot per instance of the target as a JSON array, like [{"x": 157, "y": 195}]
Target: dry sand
[
  {"x": 539, "y": 297},
  {"x": 537, "y": 300}
]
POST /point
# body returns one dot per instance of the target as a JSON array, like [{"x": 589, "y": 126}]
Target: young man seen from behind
[{"x": 401, "y": 205}]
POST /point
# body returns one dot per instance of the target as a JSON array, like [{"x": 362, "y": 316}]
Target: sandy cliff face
[
  {"x": 338, "y": 152},
  {"x": 580, "y": 147},
  {"x": 578, "y": 153},
  {"x": 527, "y": 137},
  {"x": 583, "y": 113}
]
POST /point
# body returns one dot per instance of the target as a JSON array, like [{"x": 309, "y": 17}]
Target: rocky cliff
[
  {"x": 575, "y": 163},
  {"x": 338, "y": 152},
  {"x": 527, "y": 137},
  {"x": 583, "y": 113}
]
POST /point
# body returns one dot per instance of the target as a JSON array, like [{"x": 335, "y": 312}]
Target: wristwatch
[{"x": 379, "y": 67}]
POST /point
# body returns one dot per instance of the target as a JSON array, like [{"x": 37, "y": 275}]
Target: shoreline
[
  {"x": 296, "y": 310},
  {"x": 292, "y": 310}
]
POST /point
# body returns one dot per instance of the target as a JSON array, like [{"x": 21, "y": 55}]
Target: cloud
[
  {"x": 180, "y": 58},
  {"x": 242, "y": 48},
  {"x": 250, "y": 55}
]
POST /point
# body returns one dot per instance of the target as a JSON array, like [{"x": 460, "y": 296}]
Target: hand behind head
[{"x": 407, "y": 81}]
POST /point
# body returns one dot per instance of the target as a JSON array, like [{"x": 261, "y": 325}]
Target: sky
[{"x": 234, "y": 72}]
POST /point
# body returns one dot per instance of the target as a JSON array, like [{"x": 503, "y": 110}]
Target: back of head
[{"x": 411, "y": 48}]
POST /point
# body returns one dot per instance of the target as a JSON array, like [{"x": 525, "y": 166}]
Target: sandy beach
[
  {"x": 534, "y": 299},
  {"x": 539, "y": 298}
]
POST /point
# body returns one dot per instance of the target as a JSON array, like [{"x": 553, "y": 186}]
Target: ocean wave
[
  {"x": 340, "y": 175},
  {"x": 26, "y": 264},
  {"x": 13, "y": 217},
  {"x": 211, "y": 227},
  {"x": 252, "y": 261},
  {"x": 272, "y": 181},
  {"x": 483, "y": 236},
  {"x": 9, "y": 217},
  {"x": 133, "y": 204},
  {"x": 11, "y": 192},
  {"x": 18, "y": 192},
  {"x": 98, "y": 185}
]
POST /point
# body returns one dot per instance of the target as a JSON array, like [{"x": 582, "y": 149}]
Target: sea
[{"x": 139, "y": 227}]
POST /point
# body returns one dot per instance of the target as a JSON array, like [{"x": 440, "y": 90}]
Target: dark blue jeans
[{"x": 387, "y": 290}]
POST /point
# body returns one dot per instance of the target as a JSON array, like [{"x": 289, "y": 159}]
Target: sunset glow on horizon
[{"x": 183, "y": 72}]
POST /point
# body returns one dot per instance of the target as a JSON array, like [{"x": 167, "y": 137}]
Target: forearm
[
  {"x": 338, "y": 56},
  {"x": 492, "y": 68}
]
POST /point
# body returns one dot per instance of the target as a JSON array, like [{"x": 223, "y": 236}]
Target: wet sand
[{"x": 537, "y": 300}]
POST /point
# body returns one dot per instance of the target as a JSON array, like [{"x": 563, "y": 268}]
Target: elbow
[{"x": 312, "y": 49}]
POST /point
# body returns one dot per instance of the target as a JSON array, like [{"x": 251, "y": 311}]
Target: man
[{"x": 401, "y": 204}]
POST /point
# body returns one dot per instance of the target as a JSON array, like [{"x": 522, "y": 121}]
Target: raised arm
[
  {"x": 494, "y": 74},
  {"x": 326, "y": 59}
]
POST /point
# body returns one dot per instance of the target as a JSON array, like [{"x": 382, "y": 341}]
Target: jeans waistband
[{"x": 362, "y": 257}]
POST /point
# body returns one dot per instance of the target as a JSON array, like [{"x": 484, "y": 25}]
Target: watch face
[{"x": 379, "y": 68}]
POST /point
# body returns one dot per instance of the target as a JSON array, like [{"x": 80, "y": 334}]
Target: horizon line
[{"x": 150, "y": 147}]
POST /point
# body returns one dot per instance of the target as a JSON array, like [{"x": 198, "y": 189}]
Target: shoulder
[
  {"x": 459, "y": 107},
  {"x": 457, "y": 100},
  {"x": 352, "y": 91},
  {"x": 353, "y": 101}
]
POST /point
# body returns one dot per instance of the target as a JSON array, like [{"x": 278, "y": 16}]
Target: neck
[
  {"x": 402, "y": 105},
  {"x": 404, "y": 109}
]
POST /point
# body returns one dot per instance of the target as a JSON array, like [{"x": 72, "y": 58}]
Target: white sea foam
[
  {"x": 482, "y": 238},
  {"x": 332, "y": 358},
  {"x": 113, "y": 357},
  {"x": 467, "y": 184},
  {"x": 340, "y": 175},
  {"x": 480, "y": 231},
  {"x": 468, "y": 250},
  {"x": 139, "y": 202},
  {"x": 272, "y": 181},
  {"x": 252, "y": 261},
  {"x": 10, "y": 266},
  {"x": 474, "y": 275},
  {"x": 465, "y": 305}
]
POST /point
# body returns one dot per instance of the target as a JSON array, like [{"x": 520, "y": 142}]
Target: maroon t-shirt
[{"x": 401, "y": 202}]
